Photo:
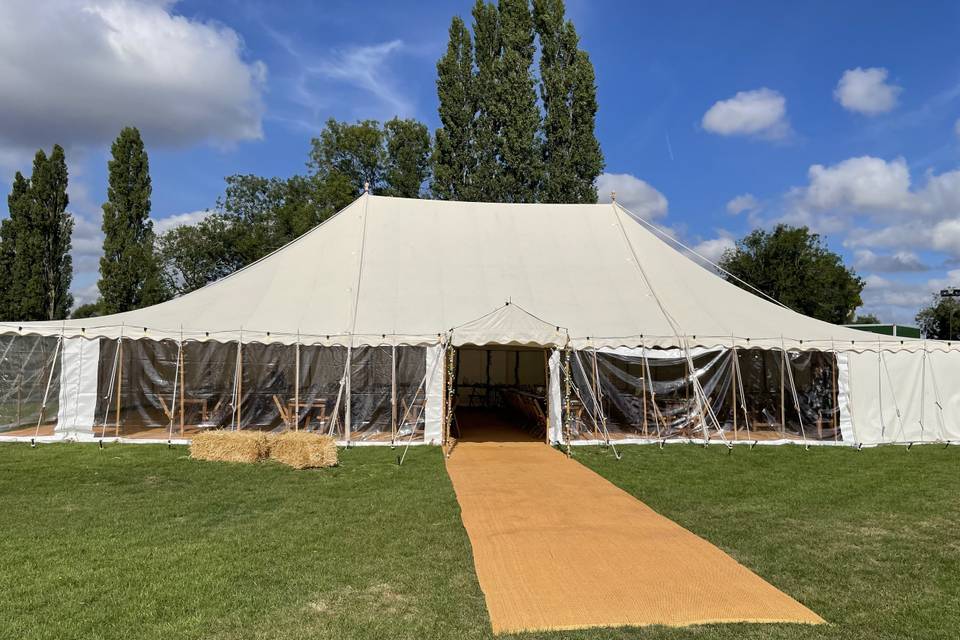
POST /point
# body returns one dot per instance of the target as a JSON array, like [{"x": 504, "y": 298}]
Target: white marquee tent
[{"x": 355, "y": 327}]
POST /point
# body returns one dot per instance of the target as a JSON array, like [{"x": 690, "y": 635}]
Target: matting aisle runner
[{"x": 556, "y": 546}]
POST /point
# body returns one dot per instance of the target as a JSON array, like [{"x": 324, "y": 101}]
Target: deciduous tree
[{"x": 795, "y": 267}]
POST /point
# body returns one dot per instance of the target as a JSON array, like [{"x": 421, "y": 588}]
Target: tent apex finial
[
  {"x": 613, "y": 196},
  {"x": 366, "y": 187}
]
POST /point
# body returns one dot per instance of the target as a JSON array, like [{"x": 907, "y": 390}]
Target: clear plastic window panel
[
  {"x": 269, "y": 387},
  {"x": 411, "y": 372},
  {"x": 659, "y": 396},
  {"x": 29, "y": 373},
  {"x": 322, "y": 397},
  {"x": 135, "y": 397},
  {"x": 371, "y": 393},
  {"x": 629, "y": 396},
  {"x": 143, "y": 391}
]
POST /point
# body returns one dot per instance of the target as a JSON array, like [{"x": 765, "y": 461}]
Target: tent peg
[
  {"x": 753, "y": 444},
  {"x": 660, "y": 442},
  {"x": 909, "y": 445},
  {"x": 101, "y": 444},
  {"x": 860, "y": 446},
  {"x": 729, "y": 449},
  {"x": 33, "y": 443}
]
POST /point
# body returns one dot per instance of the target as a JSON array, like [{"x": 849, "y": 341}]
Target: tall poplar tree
[
  {"x": 516, "y": 100},
  {"x": 558, "y": 45},
  {"x": 486, "y": 128},
  {"x": 17, "y": 205},
  {"x": 586, "y": 156},
  {"x": 571, "y": 153},
  {"x": 42, "y": 265},
  {"x": 453, "y": 148},
  {"x": 129, "y": 272},
  {"x": 523, "y": 145}
]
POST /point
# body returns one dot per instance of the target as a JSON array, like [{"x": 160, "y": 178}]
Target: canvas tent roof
[{"x": 406, "y": 271}]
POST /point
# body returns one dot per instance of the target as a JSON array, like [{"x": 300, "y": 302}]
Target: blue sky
[{"x": 714, "y": 118}]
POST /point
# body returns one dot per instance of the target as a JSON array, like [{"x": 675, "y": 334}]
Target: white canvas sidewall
[
  {"x": 79, "y": 364},
  {"x": 433, "y": 411}
]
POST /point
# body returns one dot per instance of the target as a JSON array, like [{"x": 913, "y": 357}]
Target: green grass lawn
[{"x": 138, "y": 541}]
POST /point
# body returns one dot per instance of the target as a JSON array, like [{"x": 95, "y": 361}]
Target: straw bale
[
  {"x": 303, "y": 449},
  {"x": 230, "y": 446}
]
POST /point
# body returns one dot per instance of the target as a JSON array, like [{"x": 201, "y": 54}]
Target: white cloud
[
  {"x": 860, "y": 184},
  {"x": 367, "y": 68},
  {"x": 746, "y": 202},
  {"x": 761, "y": 113},
  {"x": 946, "y": 237},
  {"x": 714, "y": 249},
  {"x": 866, "y": 91},
  {"x": 77, "y": 71},
  {"x": 894, "y": 300},
  {"x": 878, "y": 189},
  {"x": 162, "y": 225},
  {"x": 901, "y": 261},
  {"x": 87, "y": 242},
  {"x": 633, "y": 193},
  {"x": 899, "y": 300},
  {"x": 86, "y": 294}
]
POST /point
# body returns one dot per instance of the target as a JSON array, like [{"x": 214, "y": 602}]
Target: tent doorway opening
[{"x": 500, "y": 393}]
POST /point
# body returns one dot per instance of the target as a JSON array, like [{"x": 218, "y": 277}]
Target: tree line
[{"x": 513, "y": 128}]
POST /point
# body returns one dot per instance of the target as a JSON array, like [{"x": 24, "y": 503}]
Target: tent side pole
[
  {"x": 393, "y": 393},
  {"x": 182, "y": 401},
  {"x": 348, "y": 409},
  {"x": 296, "y": 385},
  {"x": 566, "y": 400},
  {"x": 596, "y": 397},
  {"x": 546, "y": 377},
  {"x": 835, "y": 409},
  {"x": 46, "y": 392},
  {"x": 783, "y": 405},
  {"x": 923, "y": 388},
  {"x": 643, "y": 375},
  {"x": 239, "y": 385},
  {"x": 733, "y": 388},
  {"x": 116, "y": 418},
  {"x": 19, "y": 386}
]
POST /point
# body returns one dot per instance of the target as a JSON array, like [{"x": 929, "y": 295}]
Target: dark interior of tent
[{"x": 500, "y": 393}]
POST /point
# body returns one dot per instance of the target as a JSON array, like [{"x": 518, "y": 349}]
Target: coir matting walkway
[{"x": 557, "y": 546}]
